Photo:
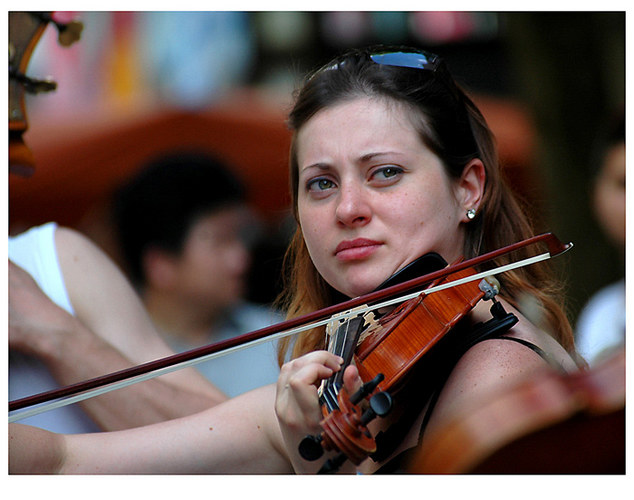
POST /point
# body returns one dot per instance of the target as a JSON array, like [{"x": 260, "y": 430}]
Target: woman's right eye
[{"x": 319, "y": 185}]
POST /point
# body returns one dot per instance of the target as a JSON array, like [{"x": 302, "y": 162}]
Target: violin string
[
  {"x": 329, "y": 388},
  {"x": 44, "y": 407}
]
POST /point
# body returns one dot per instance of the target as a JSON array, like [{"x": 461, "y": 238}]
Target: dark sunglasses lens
[{"x": 407, "y": 60}]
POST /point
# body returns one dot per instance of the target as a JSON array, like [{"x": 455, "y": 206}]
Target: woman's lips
[{"x": 357, "y": 249}]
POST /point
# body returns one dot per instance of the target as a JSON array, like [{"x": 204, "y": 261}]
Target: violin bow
[{"x": 80, "y": 391}]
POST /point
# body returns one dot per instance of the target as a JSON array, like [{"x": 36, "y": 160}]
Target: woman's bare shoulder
[
  {"x": 493, "y": 362},
  {"x": 491, "y": 365}
]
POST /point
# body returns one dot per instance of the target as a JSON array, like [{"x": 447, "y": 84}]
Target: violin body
[
  {"x": 385, "y": 354},
  {"x": 406, "y": 334}
]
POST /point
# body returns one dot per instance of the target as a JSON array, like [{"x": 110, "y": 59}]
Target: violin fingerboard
[{"x": 343, "y": 343}]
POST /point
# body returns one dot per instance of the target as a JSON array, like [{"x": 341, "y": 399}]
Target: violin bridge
[
  {"x": 371, "y": 325},
  {"x": 338, "y": 319}
]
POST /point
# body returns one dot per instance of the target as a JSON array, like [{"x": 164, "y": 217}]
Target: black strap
[
  {"x": 436, "y": 367},
  {"x": 543, "y": 354}
]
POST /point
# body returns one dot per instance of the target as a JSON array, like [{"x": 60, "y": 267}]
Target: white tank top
[{"x": 35, "y": 252}]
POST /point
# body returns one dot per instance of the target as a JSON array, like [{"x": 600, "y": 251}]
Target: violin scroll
[
  {"x": 25, "y": 31},
  {"x": 345, "y": 428}
]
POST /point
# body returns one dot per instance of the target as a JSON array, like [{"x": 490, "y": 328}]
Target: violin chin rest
[{"x": 428, "y": 263}]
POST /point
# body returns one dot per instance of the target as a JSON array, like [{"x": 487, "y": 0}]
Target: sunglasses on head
[{"x": 416, "y": 60}]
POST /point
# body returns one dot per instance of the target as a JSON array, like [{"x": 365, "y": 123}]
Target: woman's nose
[{"x": 353, "y": 207}]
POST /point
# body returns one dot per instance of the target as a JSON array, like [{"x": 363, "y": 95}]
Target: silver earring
[{"x": 471, "y": 213}]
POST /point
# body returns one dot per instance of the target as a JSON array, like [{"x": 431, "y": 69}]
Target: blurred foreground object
[
  {"x": 25, "y": 30},
  {"x": 551, "y": 424}
]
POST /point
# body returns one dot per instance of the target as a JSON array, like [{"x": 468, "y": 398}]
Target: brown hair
[{"x": 453, "y": 128}]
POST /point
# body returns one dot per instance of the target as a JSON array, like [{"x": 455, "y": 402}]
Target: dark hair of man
[{"x": 159, "y": 205}]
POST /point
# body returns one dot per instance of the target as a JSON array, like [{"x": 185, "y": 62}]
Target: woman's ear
[{"x": 470, "y": 188}]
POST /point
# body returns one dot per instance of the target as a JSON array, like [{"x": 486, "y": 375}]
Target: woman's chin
[{"x": 358, "y": 289}]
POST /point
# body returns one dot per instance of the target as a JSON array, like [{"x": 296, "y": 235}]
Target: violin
[
  {"x": 393, "y": 294},
  {"x": 385, "y": 351},
  {"x": 25, "y": 31},
  {"x": 553, "y": 423}
]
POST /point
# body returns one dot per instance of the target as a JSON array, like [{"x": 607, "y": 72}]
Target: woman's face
[{"x": 372, "y": 197}]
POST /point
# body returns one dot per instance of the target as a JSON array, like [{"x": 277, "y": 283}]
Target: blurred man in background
[
  {"x": 184, "y": 230},
  {"x": 601, "y": 324}
]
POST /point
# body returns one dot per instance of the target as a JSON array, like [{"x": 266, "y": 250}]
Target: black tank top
[{"x": 442, "y": 362}]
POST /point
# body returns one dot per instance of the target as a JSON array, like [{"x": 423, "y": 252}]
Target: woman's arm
[
  {"x": 35, "y": 451},
  {"x": 239, "y": 436}
]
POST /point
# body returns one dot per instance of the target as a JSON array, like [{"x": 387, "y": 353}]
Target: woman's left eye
[{"x": 386, "y": 173}]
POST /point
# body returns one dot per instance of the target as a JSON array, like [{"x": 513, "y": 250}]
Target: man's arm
[{"x": 111, "y": 331}]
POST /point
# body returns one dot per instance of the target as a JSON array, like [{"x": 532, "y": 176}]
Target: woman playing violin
[{"x": 390, "y": 160}]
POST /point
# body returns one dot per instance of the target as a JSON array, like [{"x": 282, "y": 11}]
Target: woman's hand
[{"x": 297, "y": 402}]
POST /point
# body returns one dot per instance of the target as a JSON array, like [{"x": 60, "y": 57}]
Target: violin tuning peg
[
  {"x": 310, "y": 448},
  {"x": 35, "y": 86},
  {"x": 366, "y": 389},
  {"x": 69, "y": 33},
  {"x": 380, "y": 406}
]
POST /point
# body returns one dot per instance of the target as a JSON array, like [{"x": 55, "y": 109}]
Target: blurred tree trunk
[{"x": 571, "y": 73}]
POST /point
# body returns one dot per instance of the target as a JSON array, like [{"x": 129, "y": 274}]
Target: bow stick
[{"x": 122, "y": 378}]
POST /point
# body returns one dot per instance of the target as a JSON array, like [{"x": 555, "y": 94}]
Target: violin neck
[{"x": 343, "y": 343}]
